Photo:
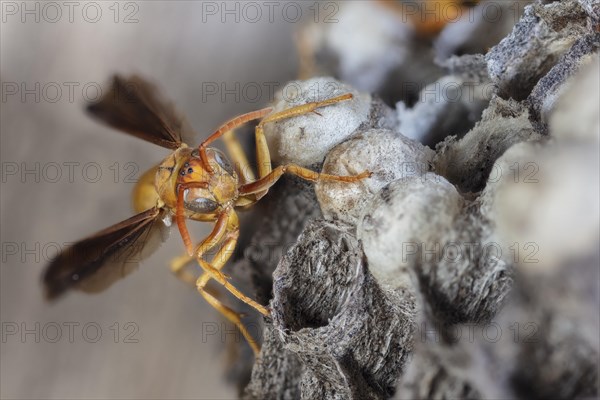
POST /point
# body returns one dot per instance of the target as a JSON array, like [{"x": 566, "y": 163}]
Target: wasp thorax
[{"x": 167, "y": 174}]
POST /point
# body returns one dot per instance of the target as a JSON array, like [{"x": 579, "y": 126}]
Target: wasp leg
[
  {"x": 263, "y": 156},
  {"x": 263, "y": 184},
  {"x": 180, "y": 215},
  {"x": 227, "y": 227},
  {"x": 219, "y": 260},
  {"x": 177, "y": 266},
  {"x": 226, "y": 127},
  {"x": 237, "y": 155},
  {"x": 219, "y": 277},
  {"x": 231, "y": 316},
  {"x": 225, "y": 221}
]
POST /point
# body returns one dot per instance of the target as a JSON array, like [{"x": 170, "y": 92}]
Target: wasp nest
[{"x": 465, "y": 271}]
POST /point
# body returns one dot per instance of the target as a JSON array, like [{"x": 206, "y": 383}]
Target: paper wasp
[{"x": 190, "y": 183}]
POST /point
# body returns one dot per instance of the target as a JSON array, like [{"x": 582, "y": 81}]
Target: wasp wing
[
  {"x": 95, "y": 263},
  {"x": 134, "y": 106}
]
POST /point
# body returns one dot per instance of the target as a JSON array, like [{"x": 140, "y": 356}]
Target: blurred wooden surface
[{"x": 172, "y": 45}]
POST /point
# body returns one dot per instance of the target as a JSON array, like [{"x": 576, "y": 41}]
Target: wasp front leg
[
  {"x": 263, "y": 155},
  {"x": 218, "y": 261},
  {"x": 268, "y": 175},
  {"x": 263, "y": 184},
  {"x": 226, "y": 230},
  {"x": 179, "y": 264},
  {"x": 227, "y": 221},
  {"x": 233, "y": 147}
]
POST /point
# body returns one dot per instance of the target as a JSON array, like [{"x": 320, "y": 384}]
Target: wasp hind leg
[
  {"x": 212, "y": 270},
  {"x": 178, "y": 267},
  {"x": 217, "y": 263}
]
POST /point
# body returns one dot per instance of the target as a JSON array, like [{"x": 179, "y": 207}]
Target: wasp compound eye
[{"x": 223, "y": 161}]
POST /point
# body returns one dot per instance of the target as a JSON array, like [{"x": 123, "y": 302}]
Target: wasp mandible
[{"x": 199, "y": 183}]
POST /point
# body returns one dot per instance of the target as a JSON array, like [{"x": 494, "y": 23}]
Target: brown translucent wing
[
  {"x": 134, "y": 106},
  {"x": 95, "y": 263}
]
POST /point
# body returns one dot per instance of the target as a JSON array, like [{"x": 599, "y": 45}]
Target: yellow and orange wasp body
[{"x": 199, "y": 184}]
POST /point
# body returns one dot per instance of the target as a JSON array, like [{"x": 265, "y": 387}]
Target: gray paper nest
[{"x": 470, "y": 271}]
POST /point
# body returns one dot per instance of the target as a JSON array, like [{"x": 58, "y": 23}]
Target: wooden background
[{"x": 41, "y": 211}]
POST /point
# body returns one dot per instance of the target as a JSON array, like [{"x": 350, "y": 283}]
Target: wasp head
[{"x": 204, "y": 191}]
